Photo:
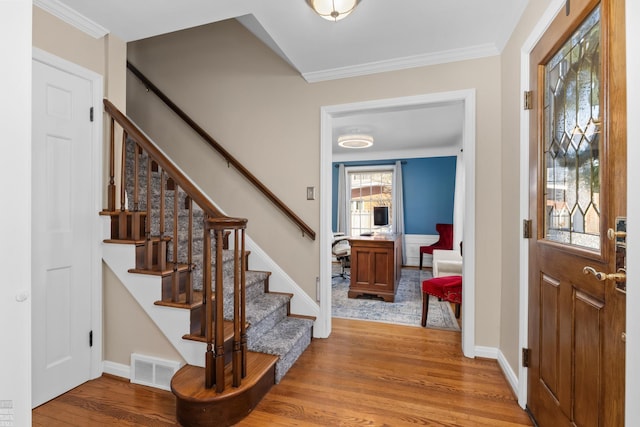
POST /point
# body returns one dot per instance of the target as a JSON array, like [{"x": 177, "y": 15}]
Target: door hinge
[
  {"x": 91, "y": 114},
  {"x": 526, "y": 353},
  {"x": 90, "y": 338},
  {"x": 527, "y": 228},
  {"x": 528, "y": 100}
]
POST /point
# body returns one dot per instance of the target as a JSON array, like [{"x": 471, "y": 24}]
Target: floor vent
[{"x": 151, "y": 371}]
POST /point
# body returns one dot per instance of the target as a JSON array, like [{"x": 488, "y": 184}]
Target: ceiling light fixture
[
  {"x": 355, "y": 141},
  {"x": 333, "y": 10}
]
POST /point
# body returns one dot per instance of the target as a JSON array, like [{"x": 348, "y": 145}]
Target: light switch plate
[{"x": 311, "y": 193}]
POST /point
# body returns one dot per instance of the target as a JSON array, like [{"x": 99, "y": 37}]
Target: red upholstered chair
[
  {"x": 448, "y": 288},
  {"x": 445, "y": 242}
]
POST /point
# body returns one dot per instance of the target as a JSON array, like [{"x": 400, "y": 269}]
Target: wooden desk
[{"x": 376, "y": 265}]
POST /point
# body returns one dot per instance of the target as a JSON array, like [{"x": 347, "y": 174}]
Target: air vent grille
[{"x": 152, "y": 371}]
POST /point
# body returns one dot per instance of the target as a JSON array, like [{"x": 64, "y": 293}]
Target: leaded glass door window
[{"x": 572, "y": 139}]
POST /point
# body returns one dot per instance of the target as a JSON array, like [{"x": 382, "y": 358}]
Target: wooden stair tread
[
  {"x": 302, "y": 316},
  {"x": 167, "y": 272},
  {"x": 118, "y": 211},
  {"x": 290, "y": 295},
  {"x": 200, "y": 406},
  {"x": 188, "y": 382},
  {"x": 228, "y": 334},
  {"x": 138, "y": 242},
  {"x": 124, "y": 241},
  {"x": 181, "y": 303}
]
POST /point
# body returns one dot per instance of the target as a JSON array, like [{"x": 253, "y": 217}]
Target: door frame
[
  {"x": 96, "y": 81},
  {"x": 525, "y": 52},
  {"x": 633, "y": 210},
  {"x": 327, "y": 113},
  {"x": 632, "y": 374}
]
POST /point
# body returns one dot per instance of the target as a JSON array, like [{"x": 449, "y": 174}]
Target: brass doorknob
[
  {"x": 613, "y": 234},
  {"x": 620, "y": 276}
]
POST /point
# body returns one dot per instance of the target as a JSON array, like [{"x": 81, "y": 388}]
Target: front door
[
  {"x": 62, "y": 217},
  {"x": 578, "y": 193}
]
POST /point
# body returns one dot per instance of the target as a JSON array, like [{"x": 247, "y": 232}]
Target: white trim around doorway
[
  {"x": 523, "y": 328},
  {"x": 327, "y": 113}
]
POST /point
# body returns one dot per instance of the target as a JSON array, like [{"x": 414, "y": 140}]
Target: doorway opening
[{"x": 465, "y": 216}]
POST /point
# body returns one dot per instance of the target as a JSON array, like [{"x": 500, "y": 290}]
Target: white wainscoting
[{"x": 412, "y": 247}]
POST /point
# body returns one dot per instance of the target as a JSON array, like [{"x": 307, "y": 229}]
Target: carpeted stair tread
[
  {"x": 260, "y": 308},
  {"x": 270, "y": 329},
  {"x": 252, "y": 278},
  {"x": 287, "y": 339},
  {"x": 263, "y": 313},
  {"x": 281, "y": 338}
]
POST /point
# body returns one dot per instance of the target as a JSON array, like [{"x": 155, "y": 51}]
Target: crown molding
[
  {"x": 72, "y": 17},
  {"x": 443, "y": 57}
]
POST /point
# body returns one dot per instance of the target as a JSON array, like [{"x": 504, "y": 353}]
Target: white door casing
[
  {"x": 323, "y": 325},
  {"x": 15, "y": 251},
  {"x": 65, "y": 273}
]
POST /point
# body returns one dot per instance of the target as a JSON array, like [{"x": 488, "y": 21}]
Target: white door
[{"x": 62, "y": 212}]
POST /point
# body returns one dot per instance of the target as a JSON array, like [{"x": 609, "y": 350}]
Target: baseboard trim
[
  {"x": 486, "y": 352},
  {"x": 117, "y": 369},
  {"x": 509, "y": 373}
]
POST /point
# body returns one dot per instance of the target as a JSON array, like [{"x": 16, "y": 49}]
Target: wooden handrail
[
  {"x": 134, "y": 132},
  {"x": 306, "y": 230},
  {"x": 215, "y": 223}
]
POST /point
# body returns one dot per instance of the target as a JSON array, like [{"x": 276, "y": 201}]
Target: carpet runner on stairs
[{"x": 271, "y": 330}]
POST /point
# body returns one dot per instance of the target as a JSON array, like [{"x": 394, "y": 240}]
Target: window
[{"x": 369, "y": 187}]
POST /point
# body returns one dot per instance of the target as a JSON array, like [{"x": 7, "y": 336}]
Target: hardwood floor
[{"x": 366, "y": 373}]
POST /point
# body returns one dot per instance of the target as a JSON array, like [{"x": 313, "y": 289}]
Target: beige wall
[
  {"x": 126, "y": 327},
  {"x": 511, "y": 222},
  {"x": 267, "y": 116}
]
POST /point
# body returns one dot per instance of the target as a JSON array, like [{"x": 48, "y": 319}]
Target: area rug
[{"x": 406, "y": 309}]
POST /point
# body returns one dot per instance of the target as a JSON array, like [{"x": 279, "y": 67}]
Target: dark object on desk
[
  {"x": 380, "y": 216},
  {"x": 445, "y": 242},
  {"x": 367, "y": 234}
]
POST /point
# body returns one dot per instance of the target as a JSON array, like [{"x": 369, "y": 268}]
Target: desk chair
[{"x": 341, "y": 249}]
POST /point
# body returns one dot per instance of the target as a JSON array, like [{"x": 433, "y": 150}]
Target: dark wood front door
[{"x": 578, "y": 192}]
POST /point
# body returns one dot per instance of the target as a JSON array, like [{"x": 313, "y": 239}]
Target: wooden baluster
[
  {"x": 188, "y": 287},
  {"x": 208, "y": 310},
  {"x": 206, "y": 268},
  {"x": 219, "y": 325},
  {"x": 243, "y": 303},
  {"x": 111, "y": 188},
  {"x": 175, "y": 279},
  {"x": 122, "y": 217},
  {"x": 162, "y": 244},
  {"x": 237, "y": 339},
  {"x": 149, "y": 242},
  {"x": 135, "y": 218}
]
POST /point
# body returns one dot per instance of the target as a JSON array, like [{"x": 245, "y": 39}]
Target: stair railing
[
  {"x": 136, "y": 226},
  {"x": 306, "y": 229}
]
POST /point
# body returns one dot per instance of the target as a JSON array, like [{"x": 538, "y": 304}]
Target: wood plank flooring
[{"x": 365, "y": 374}]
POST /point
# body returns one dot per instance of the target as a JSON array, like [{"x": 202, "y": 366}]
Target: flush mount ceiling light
[
  {"x": 333, "y": 10},
  {"x": 355, "y": 141}
]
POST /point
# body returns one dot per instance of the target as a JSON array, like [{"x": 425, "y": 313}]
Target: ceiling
[{"x": 376, "y": 37}]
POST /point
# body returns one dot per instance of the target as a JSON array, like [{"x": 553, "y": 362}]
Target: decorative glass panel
[{"x": 572, "y": 133}]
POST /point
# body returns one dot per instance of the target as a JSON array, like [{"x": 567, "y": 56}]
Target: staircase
[{"x": 246, "y": 336}]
